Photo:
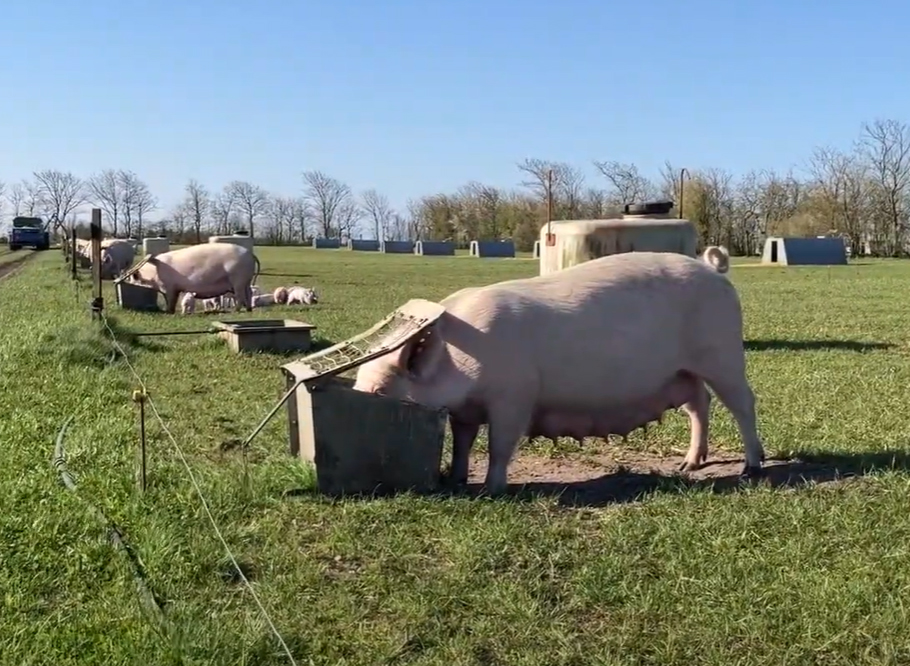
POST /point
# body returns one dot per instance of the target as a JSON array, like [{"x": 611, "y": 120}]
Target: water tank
[
  {"x": 642, "y": 228},
  {"x": 155, "y": 245},
  {"x": 236, "y": 239}
]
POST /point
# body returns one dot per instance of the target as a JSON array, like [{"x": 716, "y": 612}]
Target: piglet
[
  {"x": 302, "y": 296},
  {"x": 188, "y": 304}
]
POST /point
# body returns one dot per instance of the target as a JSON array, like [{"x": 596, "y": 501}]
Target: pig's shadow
[
  {"x": 287, "y": 275},
  {"x": 625, "y": 486},
  {"x": 859, "y": 346}
]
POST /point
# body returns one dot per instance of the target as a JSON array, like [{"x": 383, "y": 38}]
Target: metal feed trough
[
  {"x": 280, "y": 336},
  {"x": 136, "y": 297},
  {"x": 361, "y": 442}
]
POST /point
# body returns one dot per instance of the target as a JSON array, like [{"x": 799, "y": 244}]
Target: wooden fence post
[
  {"x": 73, "y": 251},
  {"x": 97, "y": 298}
]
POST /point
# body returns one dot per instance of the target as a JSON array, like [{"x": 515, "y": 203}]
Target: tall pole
[{"x": 549, "y": 205}]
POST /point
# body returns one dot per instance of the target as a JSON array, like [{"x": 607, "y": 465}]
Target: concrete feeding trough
[
  {"x": 281, "y": 336},
  {"x": 362, "y": 443},
  {"x": 136, "y": 297}
]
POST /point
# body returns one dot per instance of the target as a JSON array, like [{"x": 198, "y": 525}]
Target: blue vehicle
[{"x": 29, "y": 232}]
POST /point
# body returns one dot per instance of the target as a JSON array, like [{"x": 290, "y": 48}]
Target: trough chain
[
  {"x": 202, "y": 500},
  {"x": 149, "y": 601}
]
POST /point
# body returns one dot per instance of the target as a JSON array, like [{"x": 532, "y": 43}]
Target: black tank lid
[{"x": 648, "y": 208}]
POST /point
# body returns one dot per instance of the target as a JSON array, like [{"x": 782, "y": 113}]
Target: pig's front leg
[
  {"x": 170, "y": 299},
  {"x": 463, "y": 436}
]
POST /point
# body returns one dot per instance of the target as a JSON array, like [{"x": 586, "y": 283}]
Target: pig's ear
[{"x": 420, "y": 356}]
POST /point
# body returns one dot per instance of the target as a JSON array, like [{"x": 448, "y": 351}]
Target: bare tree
[
  {"x": 398, "y": 228},
  {"x": 222, "y": 209},
  {"x": 197, "y": 203},
  {"x": 886, "y": 145},
  {"x": 330, "y": 203},
  {"x": 717, "y": 206},
  {"x": 486, "y": 202},
  {"x": 378, "y": 212},
  {"x": 841, "y": 184},
  {"x": 61, "y": 193},
  {"x": 287, "y": 213},
  {"x": 251, "y": 200},
  {"x": 179, "y": 218},
  {"x": 416, "y": 223},
  {"x": 136, "y": 200},
  {"x": 566, "y": 185},
  {"x": 34, "y": 204},
  {"x": 104, "y": 192},
  {"x": 626, "y": 182},
  {"x": 595, "y": 203},
  {"x": 16, "y": 196},
  {"x": 130, "y": 185},
  {"x": 145, "y": 202}
]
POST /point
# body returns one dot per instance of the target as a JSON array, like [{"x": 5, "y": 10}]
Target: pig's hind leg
[
  {"x": 509, "y": 421},
  {"x": 698, "y": 410},
  {"x": 728, "y": 380}
]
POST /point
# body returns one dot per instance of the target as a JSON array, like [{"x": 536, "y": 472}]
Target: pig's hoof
[
  {"x": 495, "y": 490},
  {"x": 450, "y": 481},
  {"x": 688, "y": 466},
  {"x": 750, "y": 472}
]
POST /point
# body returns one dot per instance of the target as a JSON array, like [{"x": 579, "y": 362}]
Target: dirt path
[
  {"x": 610, "y": 476},
  {"x": 9, "y": 268}
]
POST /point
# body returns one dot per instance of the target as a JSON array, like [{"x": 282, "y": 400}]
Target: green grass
[{"x": 801, "y": 575}]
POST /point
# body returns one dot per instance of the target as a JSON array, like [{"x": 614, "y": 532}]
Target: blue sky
[{"x": 414, "y": 98}]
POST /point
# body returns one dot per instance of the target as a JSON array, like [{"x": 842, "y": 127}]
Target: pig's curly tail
[{"x": 717, "y": 257}]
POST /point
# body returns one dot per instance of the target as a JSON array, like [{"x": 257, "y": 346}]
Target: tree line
[{"x": 861, "y": 193}]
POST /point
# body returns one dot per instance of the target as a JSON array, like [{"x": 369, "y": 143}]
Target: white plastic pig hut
[
  {"x": 642, "y": 228},
  {"x": 237, "y": 239},
  {"x": 154, "y": 245},
  {"x": 362, "y": 442}
]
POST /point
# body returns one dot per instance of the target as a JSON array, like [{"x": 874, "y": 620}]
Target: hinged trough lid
[{"x": 390, "y": 334}]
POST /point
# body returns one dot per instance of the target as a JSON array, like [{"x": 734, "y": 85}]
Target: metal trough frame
[{"x": 391, "y": 445}]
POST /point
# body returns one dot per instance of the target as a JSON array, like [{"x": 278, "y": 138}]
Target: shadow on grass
[
  {"x": 814, "y": 345},
  {"x": 628, "y": 486},
  {"x": 316, "y": 345},
  {"x": 90, "y": 346},
  {"x": 625, "y": 486},
  {"x": 287, "y": 275},
  {"x": 130, "y": 340}
]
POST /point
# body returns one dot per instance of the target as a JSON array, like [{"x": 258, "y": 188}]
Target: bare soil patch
[
  {"x": 603, "y": 477},
  {"x": 11, "y": 267}
]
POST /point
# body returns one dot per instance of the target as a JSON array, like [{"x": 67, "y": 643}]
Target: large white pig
[
  {"x": 117, "y": 255},
  {"x": 604, "y": 347},
  {"x": 206, "y": 270}
]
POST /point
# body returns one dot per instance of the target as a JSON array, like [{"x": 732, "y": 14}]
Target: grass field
[{"x": 805, "y": 573}]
